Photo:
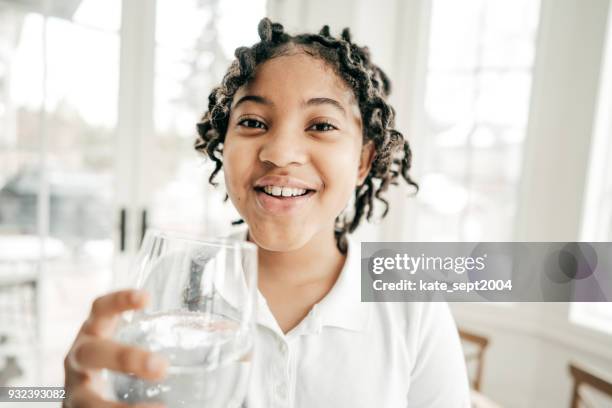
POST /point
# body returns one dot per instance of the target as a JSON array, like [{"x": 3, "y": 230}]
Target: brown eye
[
  {"x": 323, "y": 127},
  {"x": 252, "y": 123}
]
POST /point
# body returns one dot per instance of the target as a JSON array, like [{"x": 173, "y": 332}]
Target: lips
[
  {"x": 285, "y": 181},
  {"x": 282, "y": 205}
]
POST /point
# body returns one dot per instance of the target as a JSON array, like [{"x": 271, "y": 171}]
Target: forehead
[{"x": 298, "y": 76}]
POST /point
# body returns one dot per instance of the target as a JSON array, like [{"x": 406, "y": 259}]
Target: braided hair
[{"x": 371, "y": 86}]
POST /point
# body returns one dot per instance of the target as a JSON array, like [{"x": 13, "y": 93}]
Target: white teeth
[{"x": 283, "y": 191}]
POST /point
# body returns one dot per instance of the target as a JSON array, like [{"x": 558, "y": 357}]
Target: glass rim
[{"x": 221, "y": 242}]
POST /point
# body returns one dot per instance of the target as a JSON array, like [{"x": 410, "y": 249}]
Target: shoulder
[{"x": 414, "y": 319}]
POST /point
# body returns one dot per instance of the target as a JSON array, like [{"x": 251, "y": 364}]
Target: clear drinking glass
[{"x": 201, "y": 317}]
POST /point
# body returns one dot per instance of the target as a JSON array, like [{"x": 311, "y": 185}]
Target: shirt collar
[{"x": 342, "y": 306}]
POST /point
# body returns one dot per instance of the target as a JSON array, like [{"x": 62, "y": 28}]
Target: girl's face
[{"x": 293, "y": 152}]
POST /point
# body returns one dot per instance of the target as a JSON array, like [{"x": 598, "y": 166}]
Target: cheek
[
  {"x": 236, "y": 162},
  {"x": 341, "y": 175}
]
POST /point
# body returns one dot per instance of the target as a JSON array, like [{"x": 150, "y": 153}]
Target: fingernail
[{"x": 155, "y": 363}]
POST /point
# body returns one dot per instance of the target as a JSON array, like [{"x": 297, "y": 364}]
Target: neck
[{"x": 318, "y": 260}]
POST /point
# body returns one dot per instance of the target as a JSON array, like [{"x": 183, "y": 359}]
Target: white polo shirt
[{"x": 346, "y": 353}]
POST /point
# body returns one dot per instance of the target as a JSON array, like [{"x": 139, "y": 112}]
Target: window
[
  {"x": 596, "y": 316},
  {"x": 597, "y": 215},
  {"x": 477, "y": 95},
  {"x": 81, "y": 59},
  {"x": 59, "y": 69}
]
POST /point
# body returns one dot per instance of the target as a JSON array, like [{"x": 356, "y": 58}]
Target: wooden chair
[
  {"x": 590, "y": 379},
  {"x": 481, "y": 344}
]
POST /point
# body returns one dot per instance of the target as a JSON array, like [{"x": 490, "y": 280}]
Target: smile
[
  {"x": 279, "y": 191},
  {"x": 281, "y": 200}
]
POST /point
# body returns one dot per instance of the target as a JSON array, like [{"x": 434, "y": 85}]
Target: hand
[{"x": 93, "y": 349}]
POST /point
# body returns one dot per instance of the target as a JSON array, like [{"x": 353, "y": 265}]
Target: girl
[{"x": 301, "y": 127}]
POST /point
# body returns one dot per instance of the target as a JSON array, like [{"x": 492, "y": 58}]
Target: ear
[{"x": 365, "y": 161}]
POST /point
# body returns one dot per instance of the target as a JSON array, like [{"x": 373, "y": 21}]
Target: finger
[
  {"x": 97, "y": 353},
  {"x": 105, "y": 310},
  {"x": 84, "y": 397}
]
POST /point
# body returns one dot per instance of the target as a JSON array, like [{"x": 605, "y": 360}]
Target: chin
[{"x": 280, "y": 240}]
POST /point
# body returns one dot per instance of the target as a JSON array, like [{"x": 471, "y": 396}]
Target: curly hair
[{"x": 370, "y": 85}]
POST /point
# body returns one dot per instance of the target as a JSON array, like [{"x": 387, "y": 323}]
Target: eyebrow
[
  {"x": 254, "y": 98},
  {"x": 311, "y": 102}
]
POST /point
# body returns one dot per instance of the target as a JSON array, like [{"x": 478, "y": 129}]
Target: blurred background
[{"x": 507, "y": 105}]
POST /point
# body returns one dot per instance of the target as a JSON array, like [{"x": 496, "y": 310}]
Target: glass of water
[{"x": 201, "y": 317}]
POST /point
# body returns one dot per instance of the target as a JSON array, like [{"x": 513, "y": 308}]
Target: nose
[{"x": 284, "y": 147}]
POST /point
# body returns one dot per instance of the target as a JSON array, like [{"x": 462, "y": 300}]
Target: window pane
[
  {"x": 597, "y": 316},
  {"x": 476, "y": 105},
  {"x": 597, "y": 220},
  {"x": 103, "y": 15}
]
